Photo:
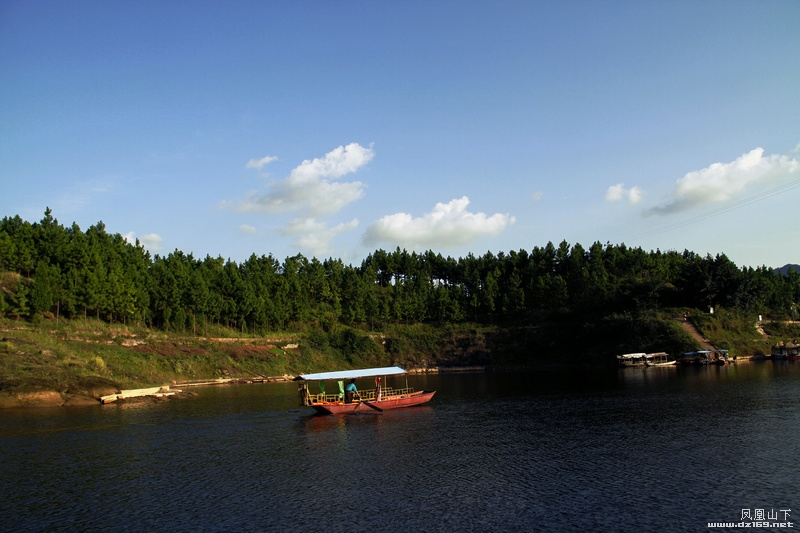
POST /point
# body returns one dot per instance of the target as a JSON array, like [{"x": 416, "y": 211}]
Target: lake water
[{"x": 656, "y": 449}]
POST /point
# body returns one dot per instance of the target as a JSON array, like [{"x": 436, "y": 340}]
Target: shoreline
[{"x": 32, "y": 397}]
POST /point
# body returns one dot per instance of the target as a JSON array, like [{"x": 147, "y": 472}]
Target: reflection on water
[{"x": 624, "y": 450}]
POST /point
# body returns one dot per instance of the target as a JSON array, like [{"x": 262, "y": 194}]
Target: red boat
[{"x": 374, "y": 400}]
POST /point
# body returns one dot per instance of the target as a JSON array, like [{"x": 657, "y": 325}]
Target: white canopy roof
[
  {"x": 352, "y": 374},
  {"x": 632, "y": 355}
]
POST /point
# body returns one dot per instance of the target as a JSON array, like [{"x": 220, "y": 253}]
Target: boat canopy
[
  {"x": 352, "y": 374},
  {"x": 632, "y": 355}
]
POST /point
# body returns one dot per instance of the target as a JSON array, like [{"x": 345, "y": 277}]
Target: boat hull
[{"x": 392, "y": 402}]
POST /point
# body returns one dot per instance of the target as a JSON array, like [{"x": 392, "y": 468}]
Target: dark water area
[{"x": 655, "y": 449}]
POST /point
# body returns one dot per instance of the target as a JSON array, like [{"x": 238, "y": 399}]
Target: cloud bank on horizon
[
  {"x": 447, "y": 225},
  {"x": 315, "y": 235},
  {"x": 311, "y": 191},
  {"x": 716, "y": 183},
  {"x": 720, "y": 182}
]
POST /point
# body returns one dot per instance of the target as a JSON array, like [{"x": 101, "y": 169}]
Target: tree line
[{"x": 50, "y": 268}]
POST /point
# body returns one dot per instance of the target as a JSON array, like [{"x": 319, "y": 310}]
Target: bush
[
  {"x": 318, "y": 339},
  {"x": 357, "y": 349},
  {"x": 782, "y": 330},
  {"x": 97, "y": 364}
]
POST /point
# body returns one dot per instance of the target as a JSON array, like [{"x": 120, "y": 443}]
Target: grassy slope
[
  {"x": 74, "y": 354},
  {"x": 84, "y": 356},
  {"x": 741, "y": 335}
]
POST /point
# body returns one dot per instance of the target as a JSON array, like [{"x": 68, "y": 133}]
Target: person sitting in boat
[{"x": 351, "y": 391}]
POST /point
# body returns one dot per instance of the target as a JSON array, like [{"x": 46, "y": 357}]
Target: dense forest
[{"x": 63, "y": 271}]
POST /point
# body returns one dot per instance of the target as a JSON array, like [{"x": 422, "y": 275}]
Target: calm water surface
[{"x": 657, "y": 449}]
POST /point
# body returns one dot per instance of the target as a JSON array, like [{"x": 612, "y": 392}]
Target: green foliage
[
  {"x": 415, "y": 344},
  {"x": 730, "y": 328},
  {"x": 46, "y": 287},
  {"x": 397, "y": 346},
  {"x": 18, "y": 299},
  {"x": 349, "y": 345},
  {"x": 97, "y": 364},
  {"x": 357, "y": 348},
  {"x": 782, "y": 330},
  {"x": 648, "y": 332},
  {"x": 40, "y": 356},
  {"x": 318, "y": 339},
  {"x": 556, "y": 295}
]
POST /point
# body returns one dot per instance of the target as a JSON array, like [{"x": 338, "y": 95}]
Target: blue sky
[{"x": 336, "y": 128}]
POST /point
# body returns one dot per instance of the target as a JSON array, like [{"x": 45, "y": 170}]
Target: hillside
[
  {"x": 82, "y": 310},
  {"x": 786, "y": 268},
  {"x": 51, "y": 363}
]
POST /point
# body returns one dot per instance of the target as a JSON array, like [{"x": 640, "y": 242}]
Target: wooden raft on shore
[
  {"x": 165, "y": 391},
  {"x": 157, "y": 392}
]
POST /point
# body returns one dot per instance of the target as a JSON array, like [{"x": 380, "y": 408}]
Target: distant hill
[{"x": 785, "y": 269}]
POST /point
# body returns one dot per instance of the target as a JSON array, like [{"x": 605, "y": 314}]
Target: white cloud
[
  {"x": 310, "y": 188},
  {"x": 258, "y": 164},
  {"x": 537, "y": 196},
  {"x": 446, "y": 226},
  {"x": 338, "y": 162},
  {"x": 618, "y": 192},
  {"x": 317, "y": 199},
  {"x": 315, "y": 235},
  {"x": 247, "y": 229},
  {"x": 151, "y": 241},
  {"x": 722, "y": 181}
]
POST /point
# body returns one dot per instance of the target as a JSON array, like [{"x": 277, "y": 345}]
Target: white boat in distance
[{"x": 644, "y": 359}]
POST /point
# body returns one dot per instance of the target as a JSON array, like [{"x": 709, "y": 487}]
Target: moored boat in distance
[
  {"x": 659, "y": 359},
  {"x": 632, "y": 359},
  {"x": 645, "y": 359},
  {"x": 707, "y": 357},
  {"x": 371, "y": 400},
  {"x": 719, "y": 357},
  {"x": 786, "y": 350}
]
